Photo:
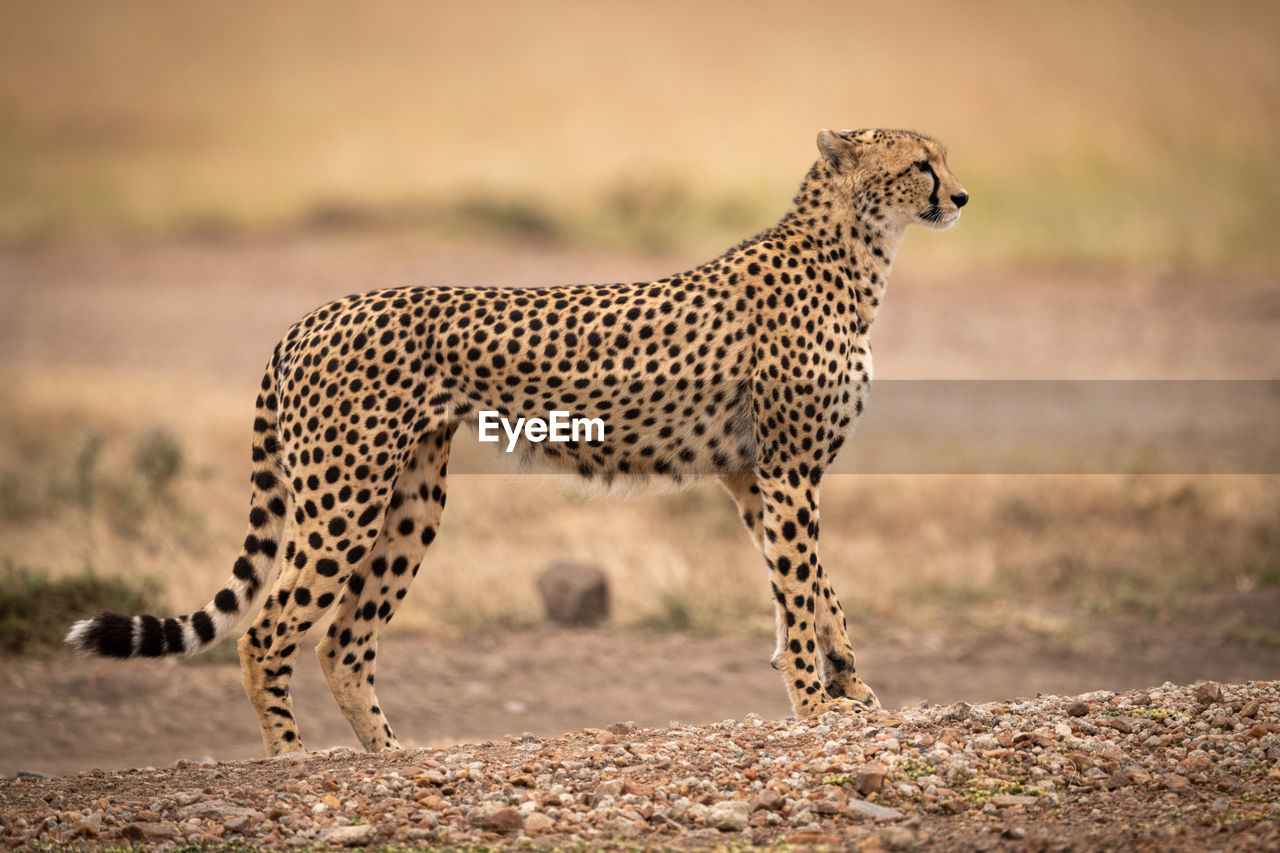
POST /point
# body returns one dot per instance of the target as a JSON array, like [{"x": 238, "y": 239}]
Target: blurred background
[
  {"x": 1137, "y": 133},
  {"x": 180, "y": 181}
]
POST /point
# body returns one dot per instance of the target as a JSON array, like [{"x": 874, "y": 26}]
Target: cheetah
[{"x": 752, "y": 369}]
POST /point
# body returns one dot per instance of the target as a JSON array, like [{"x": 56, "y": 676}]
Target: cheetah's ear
[{"x": 836, "y": 150}]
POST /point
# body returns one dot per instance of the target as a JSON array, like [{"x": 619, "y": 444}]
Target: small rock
[
  {"x": 871, "y": 777},
  {"x": 87, "y": 828},
  {"x": 1098, "y": 696},
  {"x": 1077, "y": 709},
  {"x": 238, "y": 824},
  {"x": 219, "y": 810},
  {"x": 622, "y": 728},
  {"x": 31, "y": 774},
  {"x": 1062, "y": 730},
  {"x": 1197, "y": 762},
  {"x": 730, "y": 815},
  {"x": 505, "y": 819},
  {"x": 825, "y": 808},
  {"x": 1209, "y": 693},
  {"x": 899, "y": 839},
  {"x": 1174, "y": 782},
  {"x": 873, "y": 811},
  {"x": 359, "y": 835},
  {"x": 1251, "y": 708},
  {"x": 958, "y": 712},
  {"x": 1121, "y": 724},
  {"x": 149, "y": 831},
  {"x": 574, "y": 594},
  {"x": 1118, "y": 779},
  {"x": 812, "y": 838},
  {"x": 1005, "y": 801},
  {"x": 538, "y": 822},
  {"x": 767, "y": 799}
]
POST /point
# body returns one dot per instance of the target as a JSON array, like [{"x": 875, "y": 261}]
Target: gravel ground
[{"x": 1171, "y": 768}]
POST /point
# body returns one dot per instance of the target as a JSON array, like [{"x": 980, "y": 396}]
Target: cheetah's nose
[{"x": 960, "y": 199}]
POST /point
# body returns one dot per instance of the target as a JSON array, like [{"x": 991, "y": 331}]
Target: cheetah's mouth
[{"x": 934, "y": 217}]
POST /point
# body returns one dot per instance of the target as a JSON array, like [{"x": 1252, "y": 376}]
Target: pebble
[
  {"x": 504, "y": 819},
  {"x": 729, "y": 815},
  {"x": 873, "y": 810},
  {"x": 871, "y": 777},
  {"x": 357, "y": 835},
  {"x": 800, "y": 782},
  {"x": 1209, "y": 693}
]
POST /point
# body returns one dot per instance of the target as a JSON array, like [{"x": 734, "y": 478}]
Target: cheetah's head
[{"x": 895, "y": 175}]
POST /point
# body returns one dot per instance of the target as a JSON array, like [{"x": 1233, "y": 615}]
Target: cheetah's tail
[{"x": 118, "y": 636}]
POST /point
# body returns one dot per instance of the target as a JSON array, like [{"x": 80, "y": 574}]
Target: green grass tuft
[{"x": 36, "y": 610}]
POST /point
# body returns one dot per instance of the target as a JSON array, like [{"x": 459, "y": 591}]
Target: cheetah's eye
[{"x": 924, "y": 166}]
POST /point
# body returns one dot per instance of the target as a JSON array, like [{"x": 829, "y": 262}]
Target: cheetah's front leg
[{"x": 807, "y": 607}]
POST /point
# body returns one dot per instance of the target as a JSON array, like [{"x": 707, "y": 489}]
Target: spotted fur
[{"x": 751, "y": 368}]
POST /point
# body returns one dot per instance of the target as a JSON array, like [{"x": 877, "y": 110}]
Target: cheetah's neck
[{"x": 850, "y": 233}]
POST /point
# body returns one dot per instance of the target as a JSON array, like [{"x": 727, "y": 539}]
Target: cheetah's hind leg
[{"x": 374, "y": 590}]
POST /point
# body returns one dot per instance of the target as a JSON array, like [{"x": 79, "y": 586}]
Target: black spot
[
  {"x": 243, "y": 569},
  {"x": 152, "y": 641},
  {"x": 173, "y": 636},
  {"x": 327, "y": 567},
  {"x": 302, "y": 595},
  {"x": 264, "y": 480},
  {"x": 226, "y": 601},
  {"x": 203, "y": 625}
]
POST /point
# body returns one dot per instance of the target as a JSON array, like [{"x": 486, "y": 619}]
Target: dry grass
[
  {"x": 1135, "y": 133},
  {"x": 996, "y": 552}
]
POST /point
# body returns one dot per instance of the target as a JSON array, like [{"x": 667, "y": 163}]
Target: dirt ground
[
  {"x": 107, "y": 714},
  {"x": 213, "y": 311}
]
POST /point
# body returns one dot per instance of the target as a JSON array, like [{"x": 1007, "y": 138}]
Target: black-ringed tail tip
[{"x": 115, "y": 636}]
